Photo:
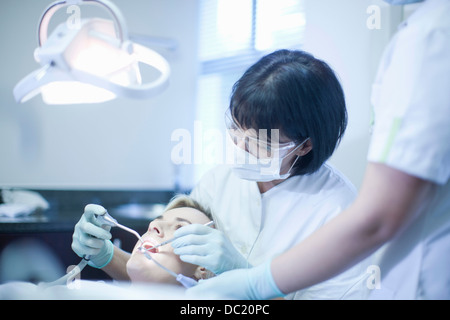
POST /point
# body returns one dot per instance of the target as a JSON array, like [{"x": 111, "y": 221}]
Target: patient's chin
[
  {"x": 141, "y": 272},
  {"x": 135, "y": 271}
]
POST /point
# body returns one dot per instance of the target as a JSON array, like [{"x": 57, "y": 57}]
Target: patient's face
[{"x": 141, "y": 269}]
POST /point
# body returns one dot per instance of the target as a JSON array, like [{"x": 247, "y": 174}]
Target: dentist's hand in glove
[
  {"x": 93, "y": 239},
  {"x": 242, "y": 284},
  {"x": 207, "y": 247}
]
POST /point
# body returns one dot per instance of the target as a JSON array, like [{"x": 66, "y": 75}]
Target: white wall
[
  {"x": 337, "y": 32},
  {"x": 115, "y": 145},
  {"x": 125, "y": 143}
]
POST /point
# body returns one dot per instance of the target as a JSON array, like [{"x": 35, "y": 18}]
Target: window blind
[{"x": 233, "y": 35}]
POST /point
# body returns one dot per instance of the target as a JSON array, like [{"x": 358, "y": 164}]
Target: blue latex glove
[
  {"x": 207, "y": 247},
  {"x": 243, "y": 284},
  {"x": 91, "y": 238}
]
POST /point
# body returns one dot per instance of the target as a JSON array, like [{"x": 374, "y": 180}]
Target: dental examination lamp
[{"x": 90, "y": 61}]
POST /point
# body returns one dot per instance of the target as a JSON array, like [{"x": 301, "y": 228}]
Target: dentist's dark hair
[{"x": 298, "y": 94}]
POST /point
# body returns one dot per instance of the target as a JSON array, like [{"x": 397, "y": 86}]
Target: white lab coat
[
  {"x": 262, "y": 226},
  {"x": 411, "y": 98}
]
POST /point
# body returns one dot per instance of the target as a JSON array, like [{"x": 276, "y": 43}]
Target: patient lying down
[
  {"x": 142, "y": 271},
  {"x": 181, "y": 211}
]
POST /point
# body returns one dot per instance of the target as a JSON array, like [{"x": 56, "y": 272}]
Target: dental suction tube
[{"x": 181, "y": 278}]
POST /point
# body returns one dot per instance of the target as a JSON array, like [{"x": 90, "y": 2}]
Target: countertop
[{"x": 134, "y": 209}]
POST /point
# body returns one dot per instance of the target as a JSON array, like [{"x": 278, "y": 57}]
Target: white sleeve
[
  {"x": 412, "y": 105},
  {"x": 203, "y": 191}
]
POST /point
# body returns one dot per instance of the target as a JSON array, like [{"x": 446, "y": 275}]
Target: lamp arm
[{"x": 122, "y": 29}]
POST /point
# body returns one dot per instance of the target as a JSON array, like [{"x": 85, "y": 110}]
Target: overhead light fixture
[{"x": 91, "y": 61}]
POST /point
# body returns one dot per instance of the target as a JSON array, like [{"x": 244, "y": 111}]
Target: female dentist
[
  {"x": 264, "y": 208},
  {"x": 404, "y": 201},
  {"x": 280, "y": 192}
]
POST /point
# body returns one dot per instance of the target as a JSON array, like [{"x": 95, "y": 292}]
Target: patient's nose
[{"x": 156, "y": 228}]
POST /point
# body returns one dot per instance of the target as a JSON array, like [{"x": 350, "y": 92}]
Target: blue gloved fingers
[
  {"x": 81, "y": 250},
  {"x": 91, "y": 210},
  {"x": 193, "y": 229},
  {"x": 253, "y": 283},
  {"x": 90, "y": 237},
  {"x": 204, "y": 255},
  {"x": 94, "y": 231},
  {"x": 213, "y": 249},
  {"x": 197, "y": 260},
  {"x": 189, "y": 239},
  {"x": 228, "y": 285},
  {"x": 91, "y": 242},
  {"x": 194, "y": 249},
  {"x": 194, "y": 234},
  {"x": 87, "y": 251},
  {"x": 200, "y": 248}
]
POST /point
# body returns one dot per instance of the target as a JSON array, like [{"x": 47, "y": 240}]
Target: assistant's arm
[{"x": 388, "y": 201}]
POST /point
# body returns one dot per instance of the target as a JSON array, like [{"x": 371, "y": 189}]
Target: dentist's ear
[{"x": 305, "y": 148}]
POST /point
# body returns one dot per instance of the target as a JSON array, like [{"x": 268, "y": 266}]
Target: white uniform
[
  {"x": 411, "y": 98},
  {"x": 262, "y": 226}
]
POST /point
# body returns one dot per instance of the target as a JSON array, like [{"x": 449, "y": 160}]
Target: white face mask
[
  {"x": 247, "y": 166},
  {"x": 401, "y": 2}
]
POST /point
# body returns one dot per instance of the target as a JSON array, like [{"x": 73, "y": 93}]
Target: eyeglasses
[{"x": 257, "y": 142}]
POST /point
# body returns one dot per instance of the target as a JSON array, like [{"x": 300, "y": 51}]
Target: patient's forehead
[{"x": 190, "y": 214}]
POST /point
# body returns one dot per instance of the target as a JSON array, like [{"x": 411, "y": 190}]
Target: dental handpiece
[{"x": 106, "y": 220}]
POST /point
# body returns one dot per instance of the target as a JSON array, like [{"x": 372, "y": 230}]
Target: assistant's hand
[
  {"x": 250, "y": 284},
  {"x": 207, "y": 247},
  {"x": 91, "y": 238}
]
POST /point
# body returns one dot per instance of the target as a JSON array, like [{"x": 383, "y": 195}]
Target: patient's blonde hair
[{"x": 183, "y": 201}]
